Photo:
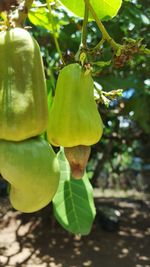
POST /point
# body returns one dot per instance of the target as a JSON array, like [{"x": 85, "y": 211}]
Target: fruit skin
[
  {"x": 78, "y": 157},
  {"x": 73, "y": 118},
  {"x": 32, "y": 169},
  {"x": 23, "y": 96},
  {"x": 102, "y": 7}
]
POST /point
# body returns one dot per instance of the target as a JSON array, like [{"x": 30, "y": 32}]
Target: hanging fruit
[
  {"x": 74, "y": 119},
  {"x": 32, "y": 170},
  {"x": 23, "y": 97}
]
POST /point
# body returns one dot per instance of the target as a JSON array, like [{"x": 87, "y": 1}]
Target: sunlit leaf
[
  {"x": 41, "y": 17},
  {"x": 104, "y": 8},
  {"x": 73, "y": 203}
]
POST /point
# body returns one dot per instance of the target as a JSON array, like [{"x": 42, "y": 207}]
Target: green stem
[
  {"x": 54, "y": 31},
  {"x": 145, "y": 50},
  {"x": 104, "y": 32},
  {"x": 84, "y": 29},
  {"x": 23, "y": 13},
  {"x": 98, "y": 46},
  {"x": 101, "y": 42}
]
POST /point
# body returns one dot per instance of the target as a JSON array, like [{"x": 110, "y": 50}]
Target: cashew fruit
[
  {"x": 23, "y": 96},
  {"x": 32, "y": 169},
  {"x": 77, "y": 157},
  {"x": 73, "y": 118}
]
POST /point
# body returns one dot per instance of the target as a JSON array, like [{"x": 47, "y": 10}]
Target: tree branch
[
  {"x": 100, "y": 25},
  {"x": 23, "y": 12},
  {"x": 54, "y": 31},
  {"x": 84, "y": 29}
]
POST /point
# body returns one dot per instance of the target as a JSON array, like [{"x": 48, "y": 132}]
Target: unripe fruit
[
  {"x": 73, "y": 118},
  {"x": 23, "y": 96},
  {"x": 32, "y": 169}
]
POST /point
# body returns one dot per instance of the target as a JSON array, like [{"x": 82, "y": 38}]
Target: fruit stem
[
  {"x": 54, "y": 31},
  {"x": 23, "y": 12},
  {"x": 84, "y": 29},
  {"x": 100, "y": 25},
  {"x": 81, "y": 53}
]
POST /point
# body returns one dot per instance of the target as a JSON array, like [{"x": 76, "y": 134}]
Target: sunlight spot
[
  {"x": 122, "y": 105},
  {"x": 147, "y": 232},
  {"x": 133, "y": 230},
  {"x": 139, "y": 235},
  {"x": 77, "y": 237},
  {"x": 54, "y": 242},
  {"x": 123, "y": 233},
  {"x": 77, "y": 251},
  {"x": 147, "y": 82},
  {"x": 125, "y": 251},
  {"x": 96, "y": 249},
  {"x": 3, "y": 260},
  {"x": 46, "y": 258},
  {"x": 109, "y": 123},
  {"x": 24, "y": 229},
  {"x": 120, "y": 256},
  {"x": 143, "y": 258},
  {"x": 87, "y": 263},
  {"x": 131, "y": 113},
  {"x": 13, "y": 249},
  {"x": 123, "y": 123},
  {"x": 52, "y": 264},
  {"x": 114, "y": 134},
  {"x": 20, "y": 257},
  {"x": 131, "y": 26},
  {"x": 134, "y": 214}
]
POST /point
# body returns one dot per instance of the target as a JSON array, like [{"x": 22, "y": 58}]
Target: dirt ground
[{"x": 36, "y": 240}]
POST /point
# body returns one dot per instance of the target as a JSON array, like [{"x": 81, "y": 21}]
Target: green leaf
[
  {"x": 39, "y": 16},
  {"x": 104, "y": 8},
  {"x": 73, "y": 203}
]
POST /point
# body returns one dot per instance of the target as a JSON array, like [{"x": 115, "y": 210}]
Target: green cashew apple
[
  {"x": 77, "y": 157},
  {"x": 23, "y": 96},
  {"x": 104, "y": 9},
  {"x": 32, "y": 169},
  {"x": 73, "y": 118}
]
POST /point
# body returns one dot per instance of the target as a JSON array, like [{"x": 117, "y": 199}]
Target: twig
[
  {"x": 84, "y": 29},
  {"x": 104, "y": 32},
  {"x": 23, "y": 12},
  {"x": 54, "y": 31}
]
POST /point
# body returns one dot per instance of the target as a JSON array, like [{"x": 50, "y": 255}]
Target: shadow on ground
[{"x": 29, "y": 240}]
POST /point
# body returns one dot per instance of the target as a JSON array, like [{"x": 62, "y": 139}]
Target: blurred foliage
[{"x": 127, "y": 120}]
